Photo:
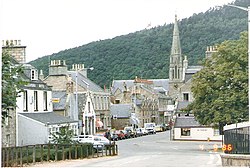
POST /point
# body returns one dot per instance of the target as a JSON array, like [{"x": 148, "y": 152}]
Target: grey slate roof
[
  {"x": 62, "y": 96},
  {"x": 163, "y": 83},
  {"x": 191, "y": 70},
  {"x": 121, "y": 110},
  {"x": 82, "y": 103},
  {"x": 32, "y": 84},
  {"x": 182, "y": 104},
  {"x": 120, "y": 84},
  {"x": 80, "y": 78},
  {"x": 48, "y": 118},
  {"x": 186, "y": 122}
]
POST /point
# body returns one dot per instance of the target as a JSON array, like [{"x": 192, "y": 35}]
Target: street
[{"x": 153, "y": 151}]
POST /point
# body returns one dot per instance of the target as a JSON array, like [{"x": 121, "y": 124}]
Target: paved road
[{"x": 153, "y": 151}]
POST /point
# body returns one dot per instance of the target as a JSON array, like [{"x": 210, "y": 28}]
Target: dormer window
[{"x": 34, "y": 74}]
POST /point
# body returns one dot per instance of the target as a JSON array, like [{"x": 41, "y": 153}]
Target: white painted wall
[
  {"x": 197, "y": 134},
  {"x": 31, "y": 101},
  {"x": 238, "y": 125},
  {"x": 31, "y": 132}
]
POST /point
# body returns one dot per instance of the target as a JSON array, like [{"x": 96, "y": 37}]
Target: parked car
[
  {"x": 98, "y": 146},
  {"x": 139, "y": 132},
  {"x": 111, "y": 135},
  {"x": 150, "y": 127},
  {"x": 114, "y": 136},
  {"x": 103, "y": 140},
  {"x": 144, "y": 131},
  {"x": 120, "y": 134},
  {"x": 131, "y": 131},
  {"x": 158, "y": 128},
  {"x": 126, "y": 134},
  {"x": 164, "y": 127}
]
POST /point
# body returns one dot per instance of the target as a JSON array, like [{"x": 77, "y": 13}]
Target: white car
[
  {"x": 103, "y": 140},
  {"x": 144, "y": 131},
  {"x": 89, "y": 139}
]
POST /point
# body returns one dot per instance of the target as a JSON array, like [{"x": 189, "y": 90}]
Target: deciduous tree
[
  {"x": 221, "y": 88},
  {"x": 12, "y": 84}
]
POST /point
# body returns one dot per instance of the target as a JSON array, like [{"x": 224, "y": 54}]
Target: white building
[
  {"x": 35, "y": 120},
  {"x": 187, "y": 128}
]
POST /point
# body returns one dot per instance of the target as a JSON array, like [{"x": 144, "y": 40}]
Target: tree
[
  {"x": 221, "y": 88},
  {"x": 64, "y": 136},
  {"x": 12, "y": 84}
]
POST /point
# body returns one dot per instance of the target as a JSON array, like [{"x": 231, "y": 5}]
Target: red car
[{"x": 120, "y": 134}]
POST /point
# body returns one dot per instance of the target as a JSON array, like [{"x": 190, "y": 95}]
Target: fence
[
  {"x": 236, "y": 141},
  {"x": 18, "y": 156}
]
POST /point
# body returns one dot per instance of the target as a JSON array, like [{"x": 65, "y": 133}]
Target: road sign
[{"x": 55, "y": 100}]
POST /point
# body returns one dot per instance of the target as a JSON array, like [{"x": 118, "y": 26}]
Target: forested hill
[{"x": 146, "y": 53}]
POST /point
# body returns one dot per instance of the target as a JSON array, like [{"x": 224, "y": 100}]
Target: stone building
[
  {"x": 92, "y": 109},
  {"x": 147, "y": 99},
  {"x": 15, "y": 49},
  {"x": 33, "y": 120}
]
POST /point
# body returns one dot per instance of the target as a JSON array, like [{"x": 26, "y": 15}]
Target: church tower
[
  {"x": 176, "y": 66},
  {"x": 176, "y": 62}
]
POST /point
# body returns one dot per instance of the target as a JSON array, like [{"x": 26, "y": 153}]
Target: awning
[{"x": 99, "y": 123}]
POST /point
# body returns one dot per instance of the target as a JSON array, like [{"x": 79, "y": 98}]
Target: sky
[{"x": 50, "y": 26}]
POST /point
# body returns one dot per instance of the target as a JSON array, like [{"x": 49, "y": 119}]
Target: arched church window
[{"x": 175, "y": 70}]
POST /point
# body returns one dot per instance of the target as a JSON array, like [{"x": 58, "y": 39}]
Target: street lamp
[{"x": 248, "y": 10}]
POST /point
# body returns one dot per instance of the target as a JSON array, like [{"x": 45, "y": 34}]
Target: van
[{"x": 150, "y": 127}]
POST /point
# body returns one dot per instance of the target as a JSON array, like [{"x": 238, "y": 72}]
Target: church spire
[
  {"x": 176, "y": 45},
  {"x": 176, "y": 64}
]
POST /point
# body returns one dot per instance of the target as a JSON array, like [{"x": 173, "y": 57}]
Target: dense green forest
[{"x": 146, "y": 53}]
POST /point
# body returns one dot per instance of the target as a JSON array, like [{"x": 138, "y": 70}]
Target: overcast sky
[{"x": 49, "y": 26}]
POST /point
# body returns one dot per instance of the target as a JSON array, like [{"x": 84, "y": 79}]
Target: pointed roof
[{"x": 176, "y": 45}]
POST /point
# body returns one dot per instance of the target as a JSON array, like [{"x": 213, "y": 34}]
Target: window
[
  {"x": 45, "y": 101},
  {"x": 8, "y": 140},
  {"x": 35, "y": 101},
  {"x": 185, "y": 131},
  {"x": 216, "y": 132},
  {"x": 94, "y": 104},
  {"x": 25, "y": 100},
  {"x": 185, "y": 96},
  {"x": 99, "y": 103},
  {"x": 33, "y": 74},
  {"x": 102, "y": 103},
  {"x": 88, "y": 107},
  {"x": 175, "y": 70},
  {"x": 7, "y": 119}
]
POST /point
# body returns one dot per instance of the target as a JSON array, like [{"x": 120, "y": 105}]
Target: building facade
[
  {"x": 33, "y": 116},
  {"x": 93, "y": 103}
]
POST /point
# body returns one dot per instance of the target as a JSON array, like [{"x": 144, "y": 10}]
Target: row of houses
[{"x": 68, "y": 97}]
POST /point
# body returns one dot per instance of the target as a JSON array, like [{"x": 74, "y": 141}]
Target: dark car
[
  {"x": 114, "y": 136},
  {"x": 131, "y": 131},
  {"x": 163, "y": 127}
]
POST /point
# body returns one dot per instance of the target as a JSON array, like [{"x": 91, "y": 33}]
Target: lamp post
[{"x": 248, "y": 10}]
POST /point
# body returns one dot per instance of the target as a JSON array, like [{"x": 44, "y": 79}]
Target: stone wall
[
  {"x": 9, "y": 131},
  {"x": 235, "y": 160}
]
